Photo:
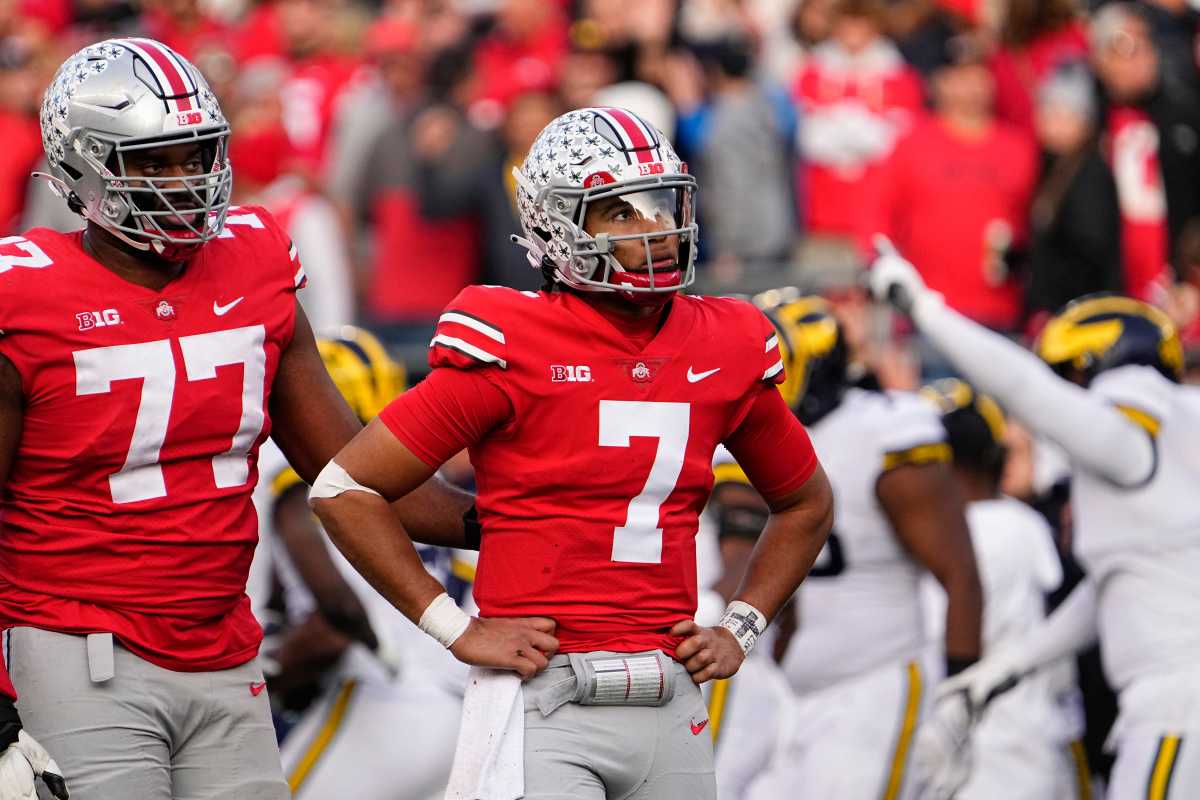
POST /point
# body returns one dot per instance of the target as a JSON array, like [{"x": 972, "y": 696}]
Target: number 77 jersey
[
  {"x": 127, "y": 508},
  {"x": 591, "y": 483}
]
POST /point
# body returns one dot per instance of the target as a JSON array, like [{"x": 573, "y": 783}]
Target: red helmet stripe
[
  {"x": 167, "y": 68},
  {"x": 637, "y": 136}
]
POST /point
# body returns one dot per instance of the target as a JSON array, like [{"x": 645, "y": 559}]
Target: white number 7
[
  {"x": 639, "y": 540},
  {"x": 141, "y": 477}
]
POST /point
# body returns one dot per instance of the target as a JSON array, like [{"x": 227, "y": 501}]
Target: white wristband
[
  {"x": 444, "y": 620},
  {"x": 745, "y": 622}
]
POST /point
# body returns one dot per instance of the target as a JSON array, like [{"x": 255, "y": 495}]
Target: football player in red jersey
[
  {"x": 591, "y": 410},
  {"x": 142, "y": 363}
]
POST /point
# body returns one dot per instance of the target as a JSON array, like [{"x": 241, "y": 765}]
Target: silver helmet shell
[
  {"x": 588, "y": 155},
  {"x": 124, "y": 95}
]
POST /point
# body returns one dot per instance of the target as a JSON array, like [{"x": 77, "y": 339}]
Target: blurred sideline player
[
  {"x": 145, "y": 359},
  {"x": 344, "y": 736},
  {"x": 1026, "y": 744},
  {"x": 592, "y": 409},
  {"x": 1133, "y": 435},
  {"x": 854, "y": 659}
]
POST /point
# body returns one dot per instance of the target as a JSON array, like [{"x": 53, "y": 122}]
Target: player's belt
[{"x": 610, "y": 679}]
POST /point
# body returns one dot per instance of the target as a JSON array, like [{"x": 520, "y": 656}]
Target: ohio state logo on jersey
[
  {"x": 164, "y": 310},
  {"x": 642, "y": 370}
]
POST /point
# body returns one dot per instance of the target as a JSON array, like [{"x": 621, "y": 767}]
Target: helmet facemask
[
  {"x": 668, "y": 201},
  {"x": 170, "y": 215}
]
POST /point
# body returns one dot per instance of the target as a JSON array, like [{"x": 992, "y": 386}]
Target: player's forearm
[
  {"x": 433, "y": 514},
  {"x": 964, "y": 613},
  {"x": 1071, "y": 628},
  {"x": 367, "y": 532},
  {"x": 1093, "y": 432},
  {"x": 787, "y": 548}
]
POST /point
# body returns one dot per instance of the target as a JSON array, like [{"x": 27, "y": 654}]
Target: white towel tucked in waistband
[{"x": 489, "y": 762}]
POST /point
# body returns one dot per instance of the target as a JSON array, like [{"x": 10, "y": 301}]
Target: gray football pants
[
  {"x": 146, "y": 733},
  {"x": 618, "y": 752}
]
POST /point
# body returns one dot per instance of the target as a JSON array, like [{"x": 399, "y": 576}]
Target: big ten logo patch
[
  {"x": 97, "y": 319},
  {"x": 566, "y": 373}
]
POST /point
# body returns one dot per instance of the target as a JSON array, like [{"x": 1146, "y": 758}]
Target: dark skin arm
[
  {"x": 925, "y": 509},
  {"x": 304, "y": 541},
  {"x": 311, "y": 423},
  {"x": 794, "y": 534},
  {"x": 377, "y": 544}
]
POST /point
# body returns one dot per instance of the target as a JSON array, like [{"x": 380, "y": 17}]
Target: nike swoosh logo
[
  {"x": 221, "y": 311},
  {"x": 696, "y": 729},
  {"x": 256, "y": 688},
  {"x": 699, "y": 376}
]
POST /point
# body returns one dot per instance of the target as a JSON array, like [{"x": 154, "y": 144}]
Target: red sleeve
[
  {"x": 772, "y": 446},
  {"x": 448, "y": 411}
]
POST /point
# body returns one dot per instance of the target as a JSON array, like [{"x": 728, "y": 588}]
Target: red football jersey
[
  {"x": 590, "y": 490},
  {"x": 128, "y": 506}
]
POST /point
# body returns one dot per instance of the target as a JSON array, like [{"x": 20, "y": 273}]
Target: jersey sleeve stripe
[
  {"x": 1145, "y": 421},
  {"x": 292, "y": 251},
  {"x": 466, "y": 348},
  {"x": 773, "y": 370},
  {"x": 299, "y": 278},
  {"x": 772, "y": 343},
  {"x": 931, "y": 453},
  {"x": 474, "y": 323}
]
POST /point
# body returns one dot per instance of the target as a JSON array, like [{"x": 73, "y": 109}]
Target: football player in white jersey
[
  {"x": 1026, "y": 745},
  {"x": 854, "y": 661},
  {"x": 1133, "y": 435},
  {"x": 366, "y": 695}
]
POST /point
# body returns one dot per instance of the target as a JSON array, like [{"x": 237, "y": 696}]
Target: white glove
[
  {"x": 23, "y": 762},
  {"x": 984, "y": 680},
  {"x": 892, "y": 278},
  {"x": 942, "y": 751}
]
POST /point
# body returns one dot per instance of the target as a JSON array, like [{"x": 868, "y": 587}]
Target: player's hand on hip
[
  {"x": 21, "y": 764},
  {"x": 707, "y": 653},
  {"x": 522, "y": 644},
  {"x": 942, "y": 750},
  {"x": 893, "y": 279}
]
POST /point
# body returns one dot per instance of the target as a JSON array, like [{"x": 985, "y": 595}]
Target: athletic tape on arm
[{"x": 333, "y": 481}]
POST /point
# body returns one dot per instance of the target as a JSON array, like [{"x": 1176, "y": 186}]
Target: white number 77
[
  {"x": 141, "y": 477},
  {"x": 639, "y": 540}
]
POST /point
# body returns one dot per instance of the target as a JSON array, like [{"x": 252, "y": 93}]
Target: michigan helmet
[
  {"x": 1100, "y": 332},
  {"x": 125, "y": 95},
  {"x": 362, "y": 370},
  {"x": 974, "y": 425},
  {"x": 815, "y": 355},
  {"x": 589, "y": 156}
]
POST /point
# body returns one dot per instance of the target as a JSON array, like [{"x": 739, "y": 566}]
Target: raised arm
[{"x": 1097, "y": 435}]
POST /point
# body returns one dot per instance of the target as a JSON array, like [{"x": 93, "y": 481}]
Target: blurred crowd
[{"x": 1021, "y": 152}]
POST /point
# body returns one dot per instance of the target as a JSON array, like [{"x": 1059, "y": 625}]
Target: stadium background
[{"x": 1021, "y": 152}]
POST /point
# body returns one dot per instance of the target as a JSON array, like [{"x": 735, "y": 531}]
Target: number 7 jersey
[
  {"x": 591, "y": 481},
  {"x": 127, "y": 509}
]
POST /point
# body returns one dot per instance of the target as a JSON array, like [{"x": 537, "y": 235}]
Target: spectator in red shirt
[
  {"x": 524, "y": 51},
  {"x": 959, "y": 190},
  {"x": 1037, "y": 36},
  {"x": 182, "y": 25},
  {"x": 1151, "y": 124},
  {"x": 857, "y": 97},
  {"x": 20, "y": 96}
]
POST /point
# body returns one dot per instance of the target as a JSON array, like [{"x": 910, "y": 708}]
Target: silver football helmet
[
  {"x": 590, "y": 155},
  {"x": 124, "y": 95}
]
